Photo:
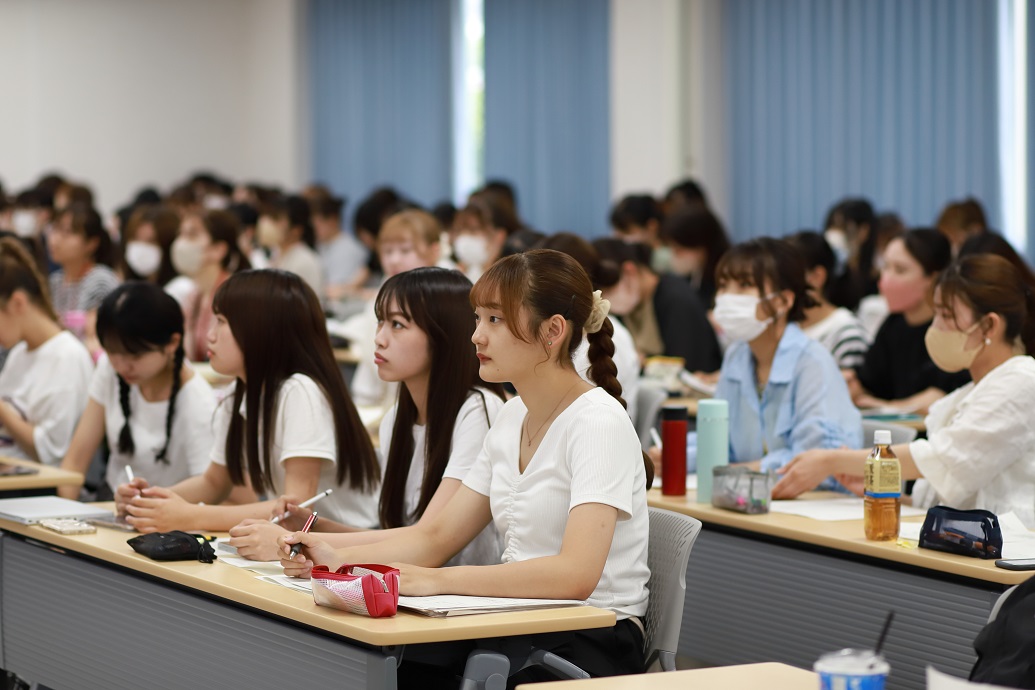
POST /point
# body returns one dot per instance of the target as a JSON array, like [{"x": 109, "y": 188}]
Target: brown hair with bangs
[
  {"x": 990, "y": 284},
  {"x": 281, "y": 330},
  {"x": 547, "y": 282},
  {"x": 771, "y": 265}
]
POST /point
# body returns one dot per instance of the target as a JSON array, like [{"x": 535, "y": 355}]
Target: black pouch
[
  {"x": 173, "y": 546},
  {"x": 973, "y": 533}
]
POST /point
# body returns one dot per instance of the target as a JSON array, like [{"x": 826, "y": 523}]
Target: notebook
[
  {"x": 444, "y": 605},
  {"x": 29, "y": 511}
]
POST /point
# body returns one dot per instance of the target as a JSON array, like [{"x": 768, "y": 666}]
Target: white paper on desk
[
  {"x": 294, "y": 583},
  {"x": 260, "y": 567},
  {"x": 691, "y": 482},
  {"x": 936, "y": 680},
  {"x": 444, "y": 605},
  {"x": 831, "y": 509}
]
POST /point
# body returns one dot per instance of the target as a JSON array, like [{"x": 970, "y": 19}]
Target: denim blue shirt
[{"x": 805, "y": 403}]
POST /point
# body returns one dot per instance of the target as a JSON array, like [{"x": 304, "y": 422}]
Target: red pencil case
[{"x": 369, "y": 590}]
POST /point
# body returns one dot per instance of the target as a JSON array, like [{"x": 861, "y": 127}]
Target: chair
[
  {"x": 649, "y": 401},
  {"x": 899, "y": 433},
  {"x": 671, "y": 537},
  {"x": 999, "y": 603}
]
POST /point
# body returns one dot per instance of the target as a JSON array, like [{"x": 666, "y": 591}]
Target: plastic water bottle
[
  {"x": 882, "y": 480},
  {"x": 713, "y": 443}
]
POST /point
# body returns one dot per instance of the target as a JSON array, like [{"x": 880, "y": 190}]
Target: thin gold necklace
[{"x": 529, "y": 443}]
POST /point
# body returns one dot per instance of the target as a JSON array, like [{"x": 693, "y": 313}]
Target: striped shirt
[{"x": 843, "y": 336}]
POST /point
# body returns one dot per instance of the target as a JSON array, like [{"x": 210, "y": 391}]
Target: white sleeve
[
  {"x": 992, "y": 431},
  {"x": 220, "y": 427},
  {"x": 103, "y": 383},
  {"x": 604, "y": 456},
  {"x": 197, "y": 408},
  {"x": 305, "y": 423},
  {"x": 57, "y": 412},
  {"x": 472, "y": 424}
]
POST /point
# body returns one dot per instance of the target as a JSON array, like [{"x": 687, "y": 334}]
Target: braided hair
[{"x": 137, "y": 318}]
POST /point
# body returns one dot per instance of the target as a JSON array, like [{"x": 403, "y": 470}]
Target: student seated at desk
[
  {"x": 784, "y": 390},
  {"x": 154, "y": 410},
  {"x": 423, "y": 341},
  {"x": 289, "y": 427},
  {"x": 561, "y": 473},
  {"x": 897, "y": 371},
  {"x": 43, "y": 384},
  {"x": 980, "y": 445}
]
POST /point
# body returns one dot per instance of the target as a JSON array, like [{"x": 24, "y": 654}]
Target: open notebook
[{"x": 444, "y": 605}]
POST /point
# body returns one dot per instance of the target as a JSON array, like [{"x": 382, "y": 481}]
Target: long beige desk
[
  {"x": 690, "y": 404},
  {"x": 120, "y": 620},
  {"x": 46, "y": 478},
  {"x": 787, "y": 588},
  {"x": 747, "y": 677}
]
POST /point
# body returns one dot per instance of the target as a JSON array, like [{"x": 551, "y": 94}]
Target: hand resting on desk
[
  {"x": 158, "y": 509},
  {"x": 124, "y": 493},
  {"x": 257, "y": 539},
  {"x": 314, "y": 551}
]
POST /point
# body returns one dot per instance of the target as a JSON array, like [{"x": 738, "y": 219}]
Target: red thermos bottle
[{"x": 673, "y": 450}]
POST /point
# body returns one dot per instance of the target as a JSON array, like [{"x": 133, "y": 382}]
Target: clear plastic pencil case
[{"x": 742, "y": 490}]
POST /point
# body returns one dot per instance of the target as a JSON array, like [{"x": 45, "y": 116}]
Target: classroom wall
[{"x": 123, "y": 92}]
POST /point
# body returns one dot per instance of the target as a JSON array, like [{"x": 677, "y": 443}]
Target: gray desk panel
[
  {"x": 748, "y": 600},
  {"x": 72, "y": 624}
]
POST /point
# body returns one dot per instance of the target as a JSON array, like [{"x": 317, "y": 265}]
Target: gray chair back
[{"x": 672, "y": 535}]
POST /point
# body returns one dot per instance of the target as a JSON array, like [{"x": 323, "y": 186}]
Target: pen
[
  {"x": 129, "y": 474},
  {"x": 655, "y": 438},
  {"x": 308, "y": 525},
  {"x": 303, "y": 504}
]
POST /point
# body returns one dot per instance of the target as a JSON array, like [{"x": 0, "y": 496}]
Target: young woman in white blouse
[
  {"x": 289, "y": 428},
  {"x": 433, "y": 433},
  {"x": 561, "y": 473},
  {"x": 980, "y": 445},
  {"x": 44, "y": 382},
  {"x": 155, "y": 411}
]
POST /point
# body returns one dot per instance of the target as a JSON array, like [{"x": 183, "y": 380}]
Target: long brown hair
[
  {"x": 279, "y": 326},
  {"x": 990, "y": 284},
  {"x": 436, "y": 300},
  {"x": 18, "y": 271},
  {"x": 548, "y": 282}
]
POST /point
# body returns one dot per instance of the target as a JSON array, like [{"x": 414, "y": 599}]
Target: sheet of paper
[
  {"x": 456, "y": 604},
  {"x": 832, "y": 509},
  {"x": 260, "y": 567},
  {"x": 936, "y": 680},
  {"x": 691, "y": 482},
  {"x": 294, "y": 583}
]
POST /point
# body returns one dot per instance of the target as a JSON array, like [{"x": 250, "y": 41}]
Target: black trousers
[{"x": 600, "y": 652}]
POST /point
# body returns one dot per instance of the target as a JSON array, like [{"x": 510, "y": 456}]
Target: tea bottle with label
[{"x": 882, "y": 479}]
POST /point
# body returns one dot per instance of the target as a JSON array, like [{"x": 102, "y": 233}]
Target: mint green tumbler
[{"x": 713, "y": 443}]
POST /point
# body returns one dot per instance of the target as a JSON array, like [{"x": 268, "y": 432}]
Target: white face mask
[
  {"x": 187, "y": 256},
  {"x": 471, "y": 250},
  {"x": 24, "y": 222},
  {"x": 143, "y": 257},
  {"x": 838, "y": 242},
  {"x": 736, "y": 316}
]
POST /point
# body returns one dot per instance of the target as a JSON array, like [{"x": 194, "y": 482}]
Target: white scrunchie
[{"x": 598, "y": 313}]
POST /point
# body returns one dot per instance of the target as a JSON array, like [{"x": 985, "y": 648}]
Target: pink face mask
[{"x": 901, "y": 293}]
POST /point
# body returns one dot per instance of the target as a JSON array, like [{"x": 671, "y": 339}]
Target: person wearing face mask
[
  {"x": 285, "y": 228},
  {"x": 208, "y": 253},
  {"x": 897, "y": 371},
  {"x": 697, "y": 241},
  {"x": 851, "y": 231},
  {"x": 785, "y": 392},
  {"x": 637, "y": 218},
  {"x": 662, "y": 312},
  {"x": 146, "y": 243},
  {"x": 477, "y": 239},
  {"x": 980, "y": 445}
]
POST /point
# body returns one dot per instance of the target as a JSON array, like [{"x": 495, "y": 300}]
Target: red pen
[{"x": 305, "y": 528}]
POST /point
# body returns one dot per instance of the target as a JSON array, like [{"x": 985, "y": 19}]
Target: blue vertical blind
[
  {"x": 380, "y": 95},
  {"x": 894, "y": 100},
  {"x": 546, "y": 109}
]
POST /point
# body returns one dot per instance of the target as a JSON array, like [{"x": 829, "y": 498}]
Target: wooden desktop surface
[
  {"x": 47, "y": 478},
  {"x": 747, "y": 677},
  {"x": 842, "y": 535},
  {"x": 241, "y": 586},
  {"x": 690, "y": 403}
]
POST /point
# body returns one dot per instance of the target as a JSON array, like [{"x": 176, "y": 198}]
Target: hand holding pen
[
  {"x": 305, "y": 530},
  {"x": 283, "y": 508},
  {"x": 125, "y": 493}
]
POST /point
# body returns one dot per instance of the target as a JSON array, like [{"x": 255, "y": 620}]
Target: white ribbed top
[{"x": 590, "y": 454}]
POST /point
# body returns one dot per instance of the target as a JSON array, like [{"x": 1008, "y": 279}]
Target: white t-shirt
[
  {"x": 48, "y": 387},
  {"x": 626, "y": 360},
  {"x": 473, "y": 421},
  {"x": 303, "y": 262},
  {"x": 304, "y": 428},
  {"x": 842, "y": 336},
  {"x": 342, "y": 258},
  {"x": 190, "y": 440},
  {"x": 980, "y": 445},
  {"x": 590, "y": 454}
]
